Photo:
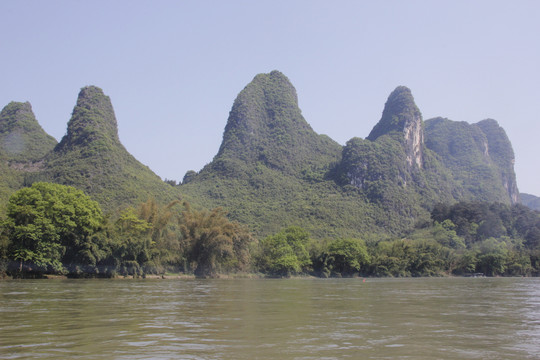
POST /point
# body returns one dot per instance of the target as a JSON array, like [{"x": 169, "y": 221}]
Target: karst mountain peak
[
  {"x": 402, "y": 117},
  {"x": 21, "y": 136},
  {"x": 266, "y": 126},
  {"x": 91, "y": 157},
  {"x": 272, "y": 169},
  {"x": 92, "y": 121}
]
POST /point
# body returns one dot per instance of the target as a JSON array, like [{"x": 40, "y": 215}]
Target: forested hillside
[
  {"x": 91, "y": 157},
  {"x": 23, "y": 144},
  {"x": 273, "y": 170},
  {"x": 275, "y": 179}
]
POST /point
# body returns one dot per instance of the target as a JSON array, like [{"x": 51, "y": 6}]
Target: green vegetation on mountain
[
  {"x": 51, "y": 226},
  {"x": 10, "y": 181},
  {"x": 399, "y": 112},
  {"x": 391, "y": 204},
  {"x": 91, "y": 158},
  {"x": 266, "y": 127},
  {"x": 22, "y": 139},
  {"x": 479, "y": 156},
  {"x": 23, "y": 143},
  {"x": 378, "y": 170},
  {"x": 273, "y": 170},
  {"x": 502, "y": 155}
]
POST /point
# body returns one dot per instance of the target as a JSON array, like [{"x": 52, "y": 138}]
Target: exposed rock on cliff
[
  {"x": 479, "y": 156},
  {"x": 402, "y": 117}
]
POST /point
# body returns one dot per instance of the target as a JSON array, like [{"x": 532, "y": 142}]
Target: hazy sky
[{"x": 174, "y": 68}]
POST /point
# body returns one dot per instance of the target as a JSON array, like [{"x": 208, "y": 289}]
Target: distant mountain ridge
[
  {"x": 273, "y": 170},
  {"x": 531, "y": 201}
]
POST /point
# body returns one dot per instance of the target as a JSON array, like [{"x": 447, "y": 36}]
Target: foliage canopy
[{"x": 50, "y": 225}]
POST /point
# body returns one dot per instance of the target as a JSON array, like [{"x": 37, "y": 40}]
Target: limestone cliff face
[
  {"x": 394, "y": 149},
  {"x": 413, "y": 134},
  {"x": 479, "y": 156},
  {"x": 502, "y": 154},
  {"x": 402, "y": 117}
]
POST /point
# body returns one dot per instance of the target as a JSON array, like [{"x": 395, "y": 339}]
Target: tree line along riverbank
[{"x": 50, "y": 229}]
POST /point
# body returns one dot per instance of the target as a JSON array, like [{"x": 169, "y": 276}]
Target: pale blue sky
[{"x": 174, "y": 68}]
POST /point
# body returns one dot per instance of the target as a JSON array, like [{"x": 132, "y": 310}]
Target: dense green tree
[
  {"x": 444, "y": 233},
  {"x": 50, "y": 225},
  {"x": 466, "y": 263},
  {"x": 344, "y": 257},
  {"x": 428, "y": 258},
  {"x": 285, "y": 253},
  {"x": 492, "y": 257},
  {"x": 518, "y": 263},
  {"x": 391, "y": 258},
  {"x": 4, "y": 247}
]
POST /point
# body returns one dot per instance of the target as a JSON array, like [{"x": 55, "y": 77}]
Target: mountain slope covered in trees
[
  {"x": 272, "y": 169},
  {"x": 92, "y": 158},
  {"x": 23, "y": 144}
]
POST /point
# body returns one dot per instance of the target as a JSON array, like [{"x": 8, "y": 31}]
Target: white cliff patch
[{"x": 414, "y": 140}]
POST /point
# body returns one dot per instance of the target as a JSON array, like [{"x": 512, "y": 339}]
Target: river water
[{"x": 439, "y": 318}]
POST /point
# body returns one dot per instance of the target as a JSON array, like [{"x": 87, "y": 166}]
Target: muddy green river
[{"x": 440, "y": 318}]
